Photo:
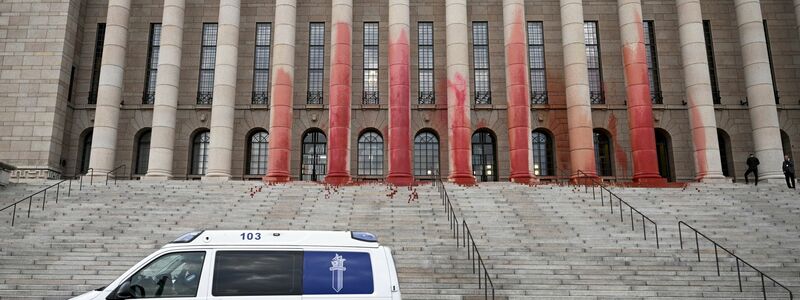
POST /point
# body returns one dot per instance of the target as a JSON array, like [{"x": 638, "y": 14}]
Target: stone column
[
  {"x": 222, "y": 109},
  {"x": 576, "y": 80},
  {"x": 697, "y": 80},
  {"x": 399, "y": 135},
  {"x": 340, "y": 92},
  {"x": 637, "y": 86},
  {"x": 458, "y": 103},
  {"x": 167, "y": 82},
  {"x": 760, "y": 95},
  {"x": 281, "y": 92},
  {"x": 518, "y": 91},
  {"x": 109, "y": 92}
]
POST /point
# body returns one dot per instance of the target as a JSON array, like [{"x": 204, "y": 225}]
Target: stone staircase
[
  {"x": 552, "y": 241},
  {"x": 538, "y": 242},
  {"x": 90, "y": 238}
]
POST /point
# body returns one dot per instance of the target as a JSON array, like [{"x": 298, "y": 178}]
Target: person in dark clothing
[
  {"x": 752, "y": 167},
  {"x": 788, "y": 171}
]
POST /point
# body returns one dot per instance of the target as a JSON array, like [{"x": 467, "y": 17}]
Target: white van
[{"x": 248, "y": 264}]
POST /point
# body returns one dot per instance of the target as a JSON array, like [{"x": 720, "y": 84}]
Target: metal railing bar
[
  {"x": 29, "y": 198},
  {"x": 697, "y": 234}
]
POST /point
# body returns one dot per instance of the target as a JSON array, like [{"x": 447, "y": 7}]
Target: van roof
[{"x": 289, "y": 238}]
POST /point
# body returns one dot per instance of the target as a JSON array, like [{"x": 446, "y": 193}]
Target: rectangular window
[
  {"x": 258, "y": 273},
  {"x": 480, "y": 57},
  {"x": 208, "y": 56},
  {"x": 261, "y": 64},
  {"x": 771, "y": 65},
  {"x": 98, "y": 61},
  {"x": 371, "y": 63},
  {"x": 316, "y": 62},
  {"x": 536, "y": 63},
  {"x": 154, "y": 45},
  {"x": 652, "y": 62},
  {"x": 425, "y": 41},
  {"x": 593, "y": 62},
  {"x": 712, "y": 65}
]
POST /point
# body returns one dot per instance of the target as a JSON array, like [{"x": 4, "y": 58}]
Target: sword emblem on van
[{"x": 337, "y": 272}]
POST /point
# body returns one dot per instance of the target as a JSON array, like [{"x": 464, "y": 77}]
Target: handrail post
[
  {"x": 716, "y": 258},
  {"x": 739, "y": 275},
  {"x": 58, "y": 190},
  {"x": 30, "y": 202},
  {"x": 658, "y": 246},
  {"x": 697, "y": 244},
  {"x": 680, "y": 235},
  {"x": 14, "y": 215},
  {"x": 763, "y": 288},
  {"x": 69, "y": 189},
  {"x": 44, "y": 198}
]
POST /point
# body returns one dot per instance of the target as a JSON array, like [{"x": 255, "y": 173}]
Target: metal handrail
[
  {"x": 611, "y": 195},
  {"x": 123, "y": 167},
  {"x": 89, "y": 171},
  {"x": 738, "y": 259},
  {"x": 465, "y": 235},
  {"x": 44, "y": 199}
]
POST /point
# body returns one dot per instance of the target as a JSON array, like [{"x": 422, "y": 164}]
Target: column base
[
  {"x": 524, "y": 179},
  {"x": 649, "y": 179},
  {"x": 463, "y": 180},
  {"x": 337, "y": 179},
  {"x": 216, "y": 178},
  {"x": 156, "y": 177},
  {"x": 714, "y": 180},
  {"x": 400, "y": 180},
  {"x": 276, "y": 178}
]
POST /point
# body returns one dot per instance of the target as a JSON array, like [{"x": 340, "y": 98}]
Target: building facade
[{"x": 400, "y": 90}]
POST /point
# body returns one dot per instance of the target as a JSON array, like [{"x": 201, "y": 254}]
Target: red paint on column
[
  {"x": 699, "y": 142},
  {"x": 339, "y": 112},
  {"x": 280, "y": 128},
  {"x": 519, "y": 109},
  {"x": 460, "y": 135},
  {"x": 399, "y": 133},
  {"x": 619, "y": 153},
  {"x": 640, "y": 111}
]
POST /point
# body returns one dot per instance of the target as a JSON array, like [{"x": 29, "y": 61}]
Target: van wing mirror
[{"x": 123, "y": 291}]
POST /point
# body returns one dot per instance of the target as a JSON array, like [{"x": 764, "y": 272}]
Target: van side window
[
  {"x": 171, "y": 275},
  {"x": 337, "y": 273},
  {"x": 258, "y": 273}
]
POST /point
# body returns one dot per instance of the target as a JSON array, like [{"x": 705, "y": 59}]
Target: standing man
[
  {"x": 788, "y": 171},
  {"x": 752, "y": 167}
]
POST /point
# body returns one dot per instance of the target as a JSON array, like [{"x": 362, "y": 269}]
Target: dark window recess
[
  {"x": 426, "y": 155},
  {"x": 142, "y": 153},
  {"x": 71, "y": 83},
  {"x": 536, "y": 63},
  {"x": 652, "y": 62},
  {"x": 371, "y": 57},
  {"x": 543, "y": 160},
  {"x": 370, "y": 154},
  {"x": 603, "y": 155},
  {"x": 594, "y": 62},
  {"x": 484, "y": 160},
  {"x": 316, "y": 62},
  {"x": 771, "y": 65},
  {"x": 314, "y": 160},
  {"x": 257, "y": 273},
  {"x": 154, "y": 46},
  {"x": 426, "y": 83},
  {"x": 208, "y": 56},
  {"x": 480, "y": 57},
  {"x": 712, "y": 65},
  {"x": 261, "y": 64},
  {"x": 200, "y": 144},
  {"x": 257, "y": 158},
  {"x": 98, "y": 61}
]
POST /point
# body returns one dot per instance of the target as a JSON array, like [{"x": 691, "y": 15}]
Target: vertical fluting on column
[
  {"x": 703, "y": 123},
  {"x": 281, "y": 92},
  {"x": 399, "y": 135},
  {"x": 760, "y": 95},
  {"x": 576, "y": 81},
  {"x": 109, "y": 92},
  {"x": 518, "y": 91},
  {"x": 458, "y": 106},
  {"x": 340, "y": 92},
  {"x": 222, "y": 109},
  {"x": 637, "y": 86},
  {"x": 165, "y": 107}
]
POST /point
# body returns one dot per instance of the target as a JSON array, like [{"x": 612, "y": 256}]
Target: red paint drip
[
  {"x": 459, "y": 131},
  {"x": 699, "y": 142},
  {"x": 280, "y": 128},
  {"x": 519, "y": 118},
  {"x": 339, "y": 113},
  {"x": 619, "y": 153},
  {"x": 399, "y": 133}
]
